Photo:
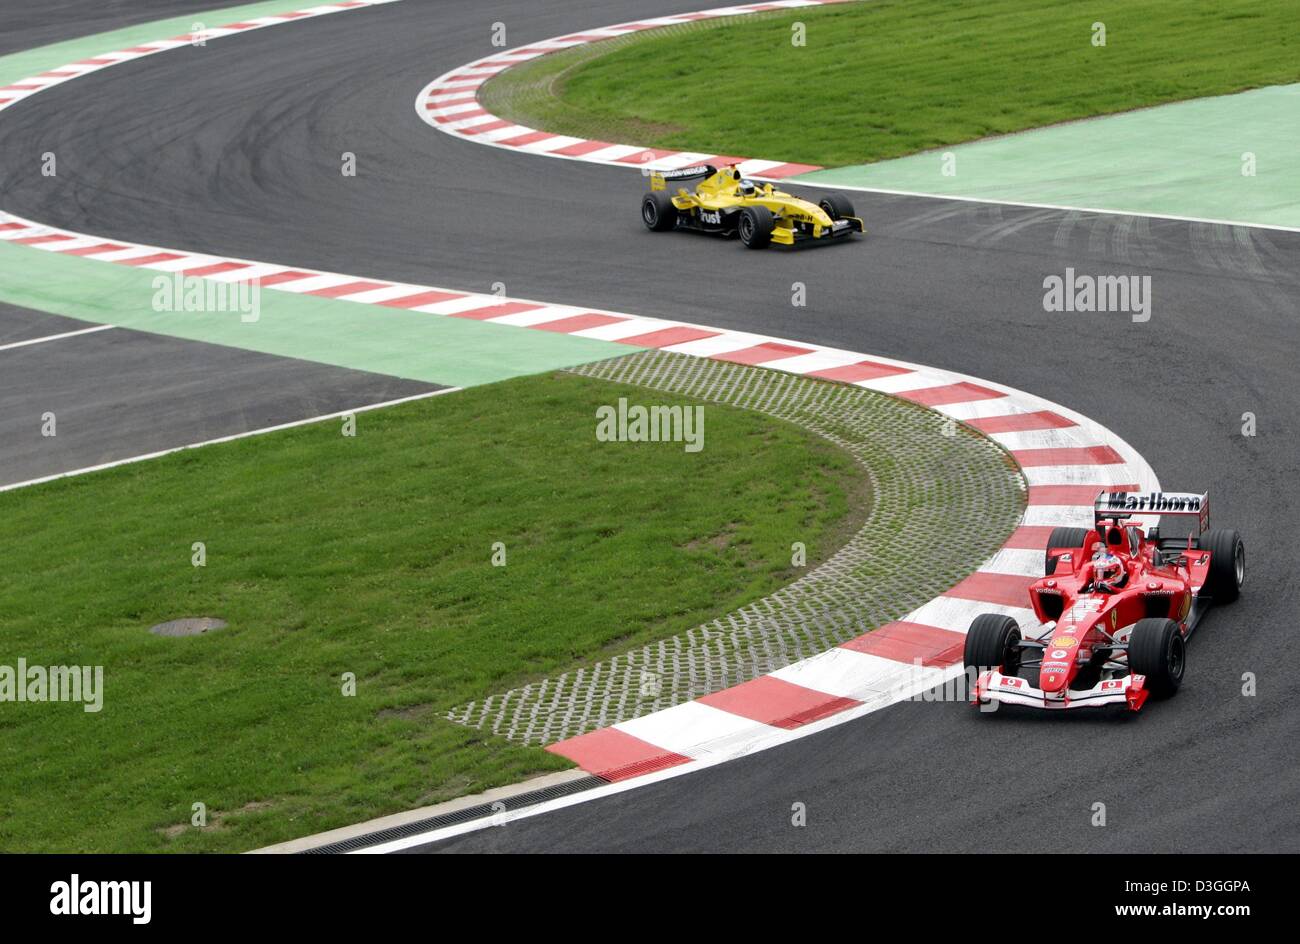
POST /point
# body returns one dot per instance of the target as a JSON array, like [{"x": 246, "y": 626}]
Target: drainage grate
[{"x": 466, "y": 815}]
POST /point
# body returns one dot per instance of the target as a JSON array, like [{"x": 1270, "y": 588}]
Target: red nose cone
[{"x": 1058, "y": 663}]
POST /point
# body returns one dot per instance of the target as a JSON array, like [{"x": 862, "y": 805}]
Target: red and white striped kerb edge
[
  {"x": 450, "y": 103},
  {"x": 1065, "y": 459},
  {"x": 9, "y": 94}
]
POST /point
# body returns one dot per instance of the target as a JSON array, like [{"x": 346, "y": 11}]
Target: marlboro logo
[{"x": 1153, "y": 502}]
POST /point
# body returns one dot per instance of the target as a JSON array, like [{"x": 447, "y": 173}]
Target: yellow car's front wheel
[
  {"x": 755, "y": 226},
  {"x": 836, "y": 206}
]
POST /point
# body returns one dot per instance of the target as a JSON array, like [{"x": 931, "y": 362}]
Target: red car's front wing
[{"x": 1013, "y": 690}]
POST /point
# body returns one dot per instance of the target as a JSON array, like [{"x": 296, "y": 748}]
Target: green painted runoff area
[
  {"x": 409, "y": 344},
  {"x": 1231, "y": 157}
]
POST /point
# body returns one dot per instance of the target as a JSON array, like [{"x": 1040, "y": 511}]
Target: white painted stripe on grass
[
  {"x": 55, "y": 337},
  {"x": 224, "y": 439}
]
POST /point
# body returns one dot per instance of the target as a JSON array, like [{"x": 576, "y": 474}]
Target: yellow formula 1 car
[{"x": 724, "y": 202}]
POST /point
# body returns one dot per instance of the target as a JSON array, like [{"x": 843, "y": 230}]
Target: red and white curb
[
  {"x": 24, "y": 88},
  {"x": 1065, "y": 459},
  {"x": 450, "y": 103}
]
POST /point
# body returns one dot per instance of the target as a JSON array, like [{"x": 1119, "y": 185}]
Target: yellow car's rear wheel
[{"x": 658, "y": 211}]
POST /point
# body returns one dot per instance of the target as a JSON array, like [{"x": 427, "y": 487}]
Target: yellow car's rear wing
[{"x": 659, "y": 179}]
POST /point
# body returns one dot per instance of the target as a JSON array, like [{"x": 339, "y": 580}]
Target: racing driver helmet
[
  {"x": 748, "y": 187},
  {"x": 1107, "y": 571}
]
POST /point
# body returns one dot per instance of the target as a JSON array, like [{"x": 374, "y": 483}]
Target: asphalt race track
[
  {"x": 119, "y": 393},
  {"x": 235, "y": 149}
]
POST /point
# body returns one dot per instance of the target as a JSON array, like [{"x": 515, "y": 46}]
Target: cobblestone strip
[{"x": 944, "y": 498}]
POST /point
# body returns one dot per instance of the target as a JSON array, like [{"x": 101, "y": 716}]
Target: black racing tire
[
  {"x": 1157, "y": 650},
  {"x": 1062, "y": 537},
  {"x": 992, "y": 643},
  {"x": 1227, "y": 564},
  {"x": 755, "y": 226},
  {"x": 836, "y": 206},
  {"x": 658, "y": 211}
]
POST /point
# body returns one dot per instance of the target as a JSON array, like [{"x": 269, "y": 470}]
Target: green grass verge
[
  {"x": 886, "y": 78},
  {"x": 368, "y": 555}
]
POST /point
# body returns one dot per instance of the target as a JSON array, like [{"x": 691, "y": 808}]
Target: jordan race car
[
  {"x": 1117, "y": 603},
  {"x": 726, "y": 203}
]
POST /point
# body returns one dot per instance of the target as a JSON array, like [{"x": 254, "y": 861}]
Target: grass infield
[
  {"x": 886, "y": 78},
  {"x": 371, "y": 555}
]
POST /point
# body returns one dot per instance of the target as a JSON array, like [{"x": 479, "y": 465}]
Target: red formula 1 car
[{"x": 1117, "y": 604}]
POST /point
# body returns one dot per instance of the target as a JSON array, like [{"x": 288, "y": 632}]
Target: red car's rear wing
[{"x": 1126, "y": 504}]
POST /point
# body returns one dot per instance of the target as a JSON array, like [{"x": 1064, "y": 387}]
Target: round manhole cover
[{"x": 190, "y": 626}]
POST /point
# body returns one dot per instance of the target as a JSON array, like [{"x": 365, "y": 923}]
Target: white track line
[
  {"x": 224, "y": 439},
  {"x": 56, "y": 337},
  {"x": 1038, "y": 206},
  {"x": 925, "y": 680}
]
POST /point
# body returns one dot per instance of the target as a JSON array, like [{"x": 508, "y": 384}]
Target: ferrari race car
[
  {"x": 1117, "y": 603},
  {"x": 724, "y": 202}
]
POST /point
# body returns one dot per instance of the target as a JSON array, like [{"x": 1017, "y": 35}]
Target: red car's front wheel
[{"x": 1157, "y": 650}]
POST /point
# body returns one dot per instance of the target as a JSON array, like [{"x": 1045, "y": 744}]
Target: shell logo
[{"x": 1064, "y": 642}]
